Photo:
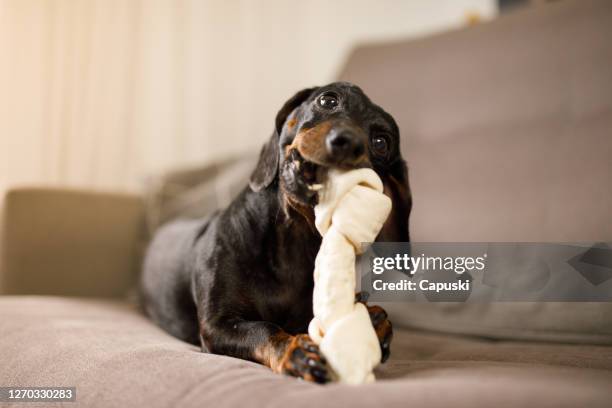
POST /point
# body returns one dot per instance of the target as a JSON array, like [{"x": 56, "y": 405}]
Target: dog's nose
[{"x": 344, "y": 145}]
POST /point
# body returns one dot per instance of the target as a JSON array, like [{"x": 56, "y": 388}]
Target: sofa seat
[{"x": 116, "y": 357}]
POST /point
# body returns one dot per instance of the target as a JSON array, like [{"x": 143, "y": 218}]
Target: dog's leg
[
  {"x": 382, "y": 325},
  {"x": 267, "y": 344}
]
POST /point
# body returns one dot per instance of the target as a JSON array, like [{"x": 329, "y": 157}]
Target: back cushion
[{"x": 506, "y": 128}]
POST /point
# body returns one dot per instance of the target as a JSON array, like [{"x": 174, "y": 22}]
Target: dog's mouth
[
  {"x": 302, "y": 178},
  {"x": 313, "y": 175}
]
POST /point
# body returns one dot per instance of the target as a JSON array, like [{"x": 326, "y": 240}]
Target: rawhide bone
[{"x": 351, "y": 211}]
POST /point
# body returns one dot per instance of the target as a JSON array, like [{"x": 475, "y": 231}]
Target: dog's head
[{"x": 334, "y": 126}]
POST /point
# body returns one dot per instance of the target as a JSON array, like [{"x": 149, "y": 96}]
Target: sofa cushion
[
  {"x": 506, "y": 130},
  {"x": 505, "y": 125},
  {"x": 56, "y": 241},
  {"x": 116, "y": 357},
  {"x": 198, "y": 191}
]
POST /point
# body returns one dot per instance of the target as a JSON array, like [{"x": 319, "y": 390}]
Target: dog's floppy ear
[
  {"x": 396, "y": 186},
  {"x": 267, "y": 167}
]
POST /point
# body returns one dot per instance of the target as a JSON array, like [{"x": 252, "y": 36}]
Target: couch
[{"x": 506, "y": 127}]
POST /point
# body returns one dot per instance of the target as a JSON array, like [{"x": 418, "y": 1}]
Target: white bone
[
  {"x": 315, "y": 187},
  {"x": 352, "y": 209}
]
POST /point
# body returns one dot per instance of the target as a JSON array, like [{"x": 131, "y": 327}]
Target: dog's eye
[
  {"x": 328, "y": 100},
  {"x": 380, "y": 146}
]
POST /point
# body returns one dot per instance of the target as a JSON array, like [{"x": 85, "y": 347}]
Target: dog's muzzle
[
  {"x": 337, "y": 143},
  {"x": 345, "y": 145}
]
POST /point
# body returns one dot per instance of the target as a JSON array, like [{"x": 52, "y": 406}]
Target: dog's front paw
[
  {"x": 384, "y": 330},
  {"x": 303, "y": 359},
  {"x": 382, "y": 325}
]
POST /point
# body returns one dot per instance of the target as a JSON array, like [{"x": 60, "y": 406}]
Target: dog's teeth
[
  {"x": 315, "y": 187},
  {"x": 297, "y": 164}
]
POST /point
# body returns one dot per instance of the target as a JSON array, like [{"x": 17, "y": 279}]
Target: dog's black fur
[{"x": 240, "y": 282}]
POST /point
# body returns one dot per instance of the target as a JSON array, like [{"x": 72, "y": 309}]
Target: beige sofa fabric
[
  {"x": 570, "y": 322},
  {"x": 196, "y": 192},
  {"x": 115, "y": 357},
  {"x": 73, "y": 243},
  {"x": 506, "y": 127}
]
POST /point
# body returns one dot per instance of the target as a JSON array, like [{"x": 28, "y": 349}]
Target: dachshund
[{"x": 240, "y": 281}]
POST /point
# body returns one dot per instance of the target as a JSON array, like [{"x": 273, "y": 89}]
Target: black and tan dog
[{"x": 240, "y": 282}]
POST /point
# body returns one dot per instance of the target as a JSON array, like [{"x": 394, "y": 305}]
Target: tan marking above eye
[{"x": 291, "y": 123}]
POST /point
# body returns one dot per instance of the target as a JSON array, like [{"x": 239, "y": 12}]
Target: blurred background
[{"x": 103, "y": 93}]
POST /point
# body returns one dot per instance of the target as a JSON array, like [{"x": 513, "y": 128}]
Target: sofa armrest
[{"x": 71, "y": 243}]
